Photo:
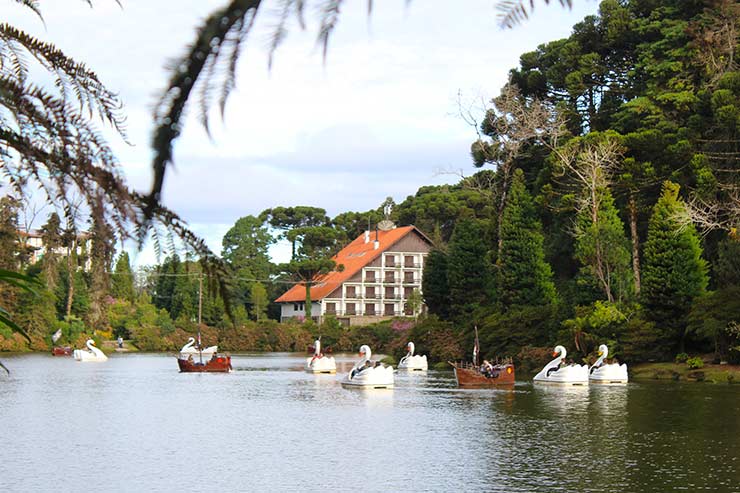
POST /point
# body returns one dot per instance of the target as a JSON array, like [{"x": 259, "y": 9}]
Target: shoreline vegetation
[{"x": 605, "y": 211}]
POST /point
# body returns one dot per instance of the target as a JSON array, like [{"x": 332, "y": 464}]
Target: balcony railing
[
  {"x": 373, "y": 296},
  {"x": 391, "y": 281},
  {"x": 414, "y": 265}
]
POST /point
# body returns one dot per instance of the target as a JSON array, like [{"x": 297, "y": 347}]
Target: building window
[
  {"x": 370, "y": 276},
  {"x": 408, "y": 261},
  {"x": 407, "y": 292},
  {"x": 370, "y": 309},
  {"x": 390, "y": 293},
  {"x": 390, "y": 260},
  {"x": 351, "y": 292},
  {"x": 389, "y": 309},
  {"x": 390, "y": 277},
  {"x": 350, "y": 309},
  {"x": 331, "y": 308},
  {"x": 295, "y": 307},
  {"x": 370, "y": 292},
  {"x": 408, "y": 277}
]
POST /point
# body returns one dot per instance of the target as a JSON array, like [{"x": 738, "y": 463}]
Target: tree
[
  {"x": 312, "y": 257},
  {"x": 286, "y": 219},
  {"x": 523, "y": 275},
  {"x": 51, "y": 235},
  {"x": 435, "y": 285},
  {"x": 601, "y": 246},
  {"x": 467, "y": 270},
  {"x": 259, "y": 301},
  {"x": 122, "y": 283},
  {"x": 414, "y": 302},
  {"x": 674, "y": 272},
  {"x": 245, "y": 248}
]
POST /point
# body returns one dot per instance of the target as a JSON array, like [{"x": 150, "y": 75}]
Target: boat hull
[
  {"x": 413, "y": 363},
  {"x": 379, "y": 377},
  {"x": 608, "y": 374},
  {"x": 472, "y": 377},
  {"x": 566, "y": 375},
  {"x": 321, "y": 365},
  {"x": 218, "y": 364},
  {"x": 61, "y": 351}
]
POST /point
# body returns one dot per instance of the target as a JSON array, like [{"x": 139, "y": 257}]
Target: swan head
[
  {"x": 559, "y": 351},
  {"x": 90, "y": 342},
  {"x": 603, "y": 350},
  {"x": 365, "y": 351},
  {"x": 410, "y": 347}
]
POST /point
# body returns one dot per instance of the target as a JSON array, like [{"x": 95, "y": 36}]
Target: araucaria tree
[
  {"x": 523, "y": 275},
  {"x": 674, "y": 272},
  {"x": 122, "y": 282}
]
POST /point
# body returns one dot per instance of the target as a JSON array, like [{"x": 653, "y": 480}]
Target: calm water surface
[{"x": 134, "y": 423}]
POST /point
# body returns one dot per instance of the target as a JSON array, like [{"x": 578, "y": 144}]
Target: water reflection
[{"x": 270, "y": 426}]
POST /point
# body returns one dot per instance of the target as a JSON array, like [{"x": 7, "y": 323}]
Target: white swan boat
[
  {"x": 369, "y": 374},
  {"x": 320, "y": 363},
  {"x": 555, "y": 372},
  {"x": 188, "y": 349},
  {"x": 413, "y": 362},
  {"x": 607, "y": 373},
  {"x": 90, "y": 354}
]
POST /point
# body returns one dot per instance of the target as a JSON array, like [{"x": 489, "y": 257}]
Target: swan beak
[
  {"x": 601, "y": 352},
  {"x": 554, "y": 354}
]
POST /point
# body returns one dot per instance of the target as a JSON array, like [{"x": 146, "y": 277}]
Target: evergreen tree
[
  {"x": 122, "y": 283},
  {"x": 434, "y": 284},
  {"x": 51, "y": 235},
  {"x": 523, "y": 275},
  {"x": 674, "y": 272},
  {"x": 467, "y": 269},
  {"x": 259, "y": 301},
  {"x": 602, "y": 247}
]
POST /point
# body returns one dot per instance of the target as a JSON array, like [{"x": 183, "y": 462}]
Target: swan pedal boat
[
  {"x": 369, "y": 374},
  {"x": 320, "y": 363},
  {"x": 188, "y": 349},
  {"x": 91, "y": 354},
  {"x": 607, "y": 373},
  {"x": 215, "y": 364},
  {"x": 468, "y": 375},
  {"x": 413, "y": 362},
  {"x": 553, "y": 372}
]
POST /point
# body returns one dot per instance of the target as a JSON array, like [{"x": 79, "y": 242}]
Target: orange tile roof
[{"x": 354, "y": 257}]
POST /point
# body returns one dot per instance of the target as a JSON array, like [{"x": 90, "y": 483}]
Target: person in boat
[{"x": 487, "y": 368}]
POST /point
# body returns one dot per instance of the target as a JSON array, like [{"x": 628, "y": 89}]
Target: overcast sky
[{"x": 378, "y": 119}]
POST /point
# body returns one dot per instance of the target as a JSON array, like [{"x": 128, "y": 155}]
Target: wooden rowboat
[
  {"x": 216, "y": 364},
  {"x": 468, "y": 375}
]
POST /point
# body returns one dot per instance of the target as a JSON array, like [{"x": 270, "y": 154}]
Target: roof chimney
[
  {"x": 367, "y": 236},
  {"x": 376, "y": 243}
]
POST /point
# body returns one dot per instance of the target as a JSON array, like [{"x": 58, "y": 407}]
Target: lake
[{"x": 134, "y": 423}]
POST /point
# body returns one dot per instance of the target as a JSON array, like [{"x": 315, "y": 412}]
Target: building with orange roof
[{"x": 381, "y": 270}]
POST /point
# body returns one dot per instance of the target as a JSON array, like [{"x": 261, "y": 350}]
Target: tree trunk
[
  {"x": 635, "y": 242},
  {"x": 71, "y": 268},
  {"x": 307, "y": 307}
]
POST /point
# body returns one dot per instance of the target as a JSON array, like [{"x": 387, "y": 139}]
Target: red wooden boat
[
  {"x": 485, "y": 375},
  {"x": 61, "y": 351},
  {"x": 216, "y": 364},
  {"x": 469, "y": 375}
]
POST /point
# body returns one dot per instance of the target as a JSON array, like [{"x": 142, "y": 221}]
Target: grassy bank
[{"x": 682, "y": 373}]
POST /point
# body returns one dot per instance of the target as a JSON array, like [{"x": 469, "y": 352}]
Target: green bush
[
  {"x": 681, "y": 358},
  {"x": 695, "y": 363}
]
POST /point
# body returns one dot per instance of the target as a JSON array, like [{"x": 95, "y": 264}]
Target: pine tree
[
  {"x": 602, "y": 247},
  {"x": 122, "y": 284},
  {"x": 467, "y": 269},
  {"x": 674, "y": 272},
  {"x": 434, "y": 284},
  {"x": 259, "y": 301},
  {"x": 523, "y": 275}
]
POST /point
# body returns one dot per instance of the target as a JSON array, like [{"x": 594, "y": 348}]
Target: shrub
[
  {"x": 681, "y": 358},
  {"x": 695, "y": 363}
]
